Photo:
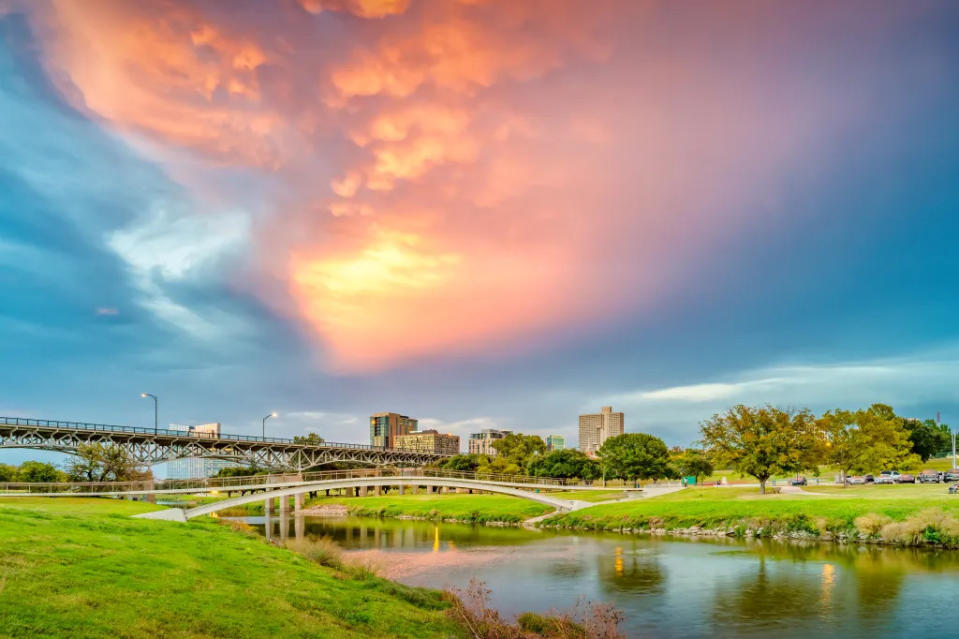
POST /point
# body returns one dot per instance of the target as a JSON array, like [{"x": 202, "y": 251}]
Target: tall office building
[
  {"x": 386, "y": 427},
  {"x": 596, "y": 428},
  {"x": 555, "y": 442},
  {"x": 428, "y": 441},
  {"x": 481, "y": 443}
]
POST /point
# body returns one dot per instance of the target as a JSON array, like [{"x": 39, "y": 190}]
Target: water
[{"x": 669, "y": 588}]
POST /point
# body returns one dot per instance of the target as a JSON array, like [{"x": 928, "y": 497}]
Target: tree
[
  {"x": 515, "y": 452},
  {"x": 311, "y": 438},
  {"x": 8, "y": 473},
  {"x": 34, "y": 471},
  {"x": 866, "y": 440},
  {"x": 927, "y": 438},
  {"x": 564, "y": 464},
  {"x": 694, "y": 463},
  {"x": 100, "y": 462},
  {"x": 635, "y": 456},
  {"x": 762, "y": 442},
  {"x": 464, "y": 463}
]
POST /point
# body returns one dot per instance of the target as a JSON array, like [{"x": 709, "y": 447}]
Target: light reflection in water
[{"x": 669, "y": 589}]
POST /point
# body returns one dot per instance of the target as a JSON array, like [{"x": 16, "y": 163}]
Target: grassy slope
[
  {"x": 836, "y": 509},
  {"x": 83, "y": 568},
  {"x": 476, "y": 508}
]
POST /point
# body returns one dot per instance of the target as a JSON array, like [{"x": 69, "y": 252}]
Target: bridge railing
[
  {"x": 240, "y": 482},
  {"x": 165, "y": 432}
]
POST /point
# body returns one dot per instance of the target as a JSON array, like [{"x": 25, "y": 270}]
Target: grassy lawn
[
  {"x": 83, "y": 568},
  {"x": 834, "y": 509},
  {"x": 473, "y": 508}
]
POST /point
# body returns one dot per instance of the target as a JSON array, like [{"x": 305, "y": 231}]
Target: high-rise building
[
  {"x": 555, "y": 442},
  {"x": 386, "y": 427},
  {"x": 195, "y": 467},
  {"x": 428, "y": 441},
  {"x": 596, "y": 428},
  {"x": 481, "y": 443}
]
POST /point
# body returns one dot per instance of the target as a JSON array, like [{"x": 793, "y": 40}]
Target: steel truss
[{"x": 149, "y": 448}]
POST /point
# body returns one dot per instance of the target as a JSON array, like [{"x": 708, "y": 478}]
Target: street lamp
[
  {"x": 155, "y": 409},
  {"x": 264, "y": 423}
]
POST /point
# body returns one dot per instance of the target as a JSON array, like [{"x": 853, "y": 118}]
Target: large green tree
[
  {"x": 309, "y": 438},
  {"x": 8, "y": 472},
  {"x": 565, "y": 464},
  {"x": 34, "y": 471},
  {"x": 635, "y": 456},
  {"x": 693, "y": 463},
  {"x": 464, "y": 463},
  {"x": 927, "y": 438},
  {"x": 514, "y": 452},
  {"x": 101, "y": 462},
  {"x": 880, "y": 440},
  {"x": 762, "y": 442}
]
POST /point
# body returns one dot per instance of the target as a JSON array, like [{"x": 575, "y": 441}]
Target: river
[{"x": 666, "y": 587}]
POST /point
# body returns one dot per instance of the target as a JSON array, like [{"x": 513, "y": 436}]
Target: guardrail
[
  {"x": 165, "y": 432},
  {"x": 237, "y": 483}
]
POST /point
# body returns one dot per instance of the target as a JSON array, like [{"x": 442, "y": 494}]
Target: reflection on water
[{"x": 667, "y": 588}]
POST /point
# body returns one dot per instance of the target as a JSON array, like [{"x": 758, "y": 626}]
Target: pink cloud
[{"x": 455, "y": 177}]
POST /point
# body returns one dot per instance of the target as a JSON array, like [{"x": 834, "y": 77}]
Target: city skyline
[{"x": 328, "y": 208}]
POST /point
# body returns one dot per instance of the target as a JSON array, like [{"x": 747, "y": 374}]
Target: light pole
[
  {"x": 155, "y": 410},
  {"x": 264, "y": 423}
]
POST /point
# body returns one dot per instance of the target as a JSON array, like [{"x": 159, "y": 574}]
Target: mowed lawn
[
  {"x": 718, "y": 507},
  {"x": 83, "y": 568},
  {"x": 470, "y": 508}
]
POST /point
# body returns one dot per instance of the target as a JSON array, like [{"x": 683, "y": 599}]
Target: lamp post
[
  {"x": 155, "y": 410},
  {"x": 264, "y": 423}
]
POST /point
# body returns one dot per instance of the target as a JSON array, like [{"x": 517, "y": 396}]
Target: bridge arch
[{"x": 562, "y": 505}]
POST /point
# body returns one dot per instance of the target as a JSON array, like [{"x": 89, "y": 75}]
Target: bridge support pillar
[
  {"x": 364, "y": 491},
  {"x": 284, "y": 511},
  {"x": 268, "y": 507},
  {"x": 378, "y": 490},
  {"x": 297, "y": 503},
  {"x": 402, "y": 489}
]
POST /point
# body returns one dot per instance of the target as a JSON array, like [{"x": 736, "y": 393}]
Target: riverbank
[
  {"x": 84, "y": 568},
  {"x": 472, "y": 509},
  {"x": 896, "y": 515}
]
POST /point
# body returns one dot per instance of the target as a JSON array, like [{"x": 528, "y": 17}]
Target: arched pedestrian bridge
[{"x": 269, "y": 488}]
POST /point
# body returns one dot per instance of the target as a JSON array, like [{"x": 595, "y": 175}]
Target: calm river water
[{"x": 669, "y": 588}]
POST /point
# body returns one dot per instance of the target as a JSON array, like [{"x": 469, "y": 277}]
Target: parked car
[
  {"x": 928, "y": 477},
  {"x": 798, "y": 481},
  {"x": 885, "y": 478},
  {"x": 870, "y": 479},
  {"x": 906, "y": 478},
  {"x": 857, "y": 479},
  {"x": 953, "y": 489},
  {"x": 951, "y": 475}
]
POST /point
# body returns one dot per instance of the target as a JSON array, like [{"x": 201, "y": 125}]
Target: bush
[
  {"x": 871, "y": 524},
  {"x": 321, "y": 550}
]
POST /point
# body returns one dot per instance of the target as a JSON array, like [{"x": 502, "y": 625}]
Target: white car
[
  {"x": 857, "y": 479},
  {"x": 887, "y": 477}
]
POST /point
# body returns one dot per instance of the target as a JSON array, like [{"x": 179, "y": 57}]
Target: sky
[{"x": 476, "y": 213}]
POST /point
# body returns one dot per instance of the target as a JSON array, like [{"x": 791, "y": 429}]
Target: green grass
[
  {"x": 468, "y": 508},
  {"x": 82, "y": 568},
  {"x": 731, "y": 508}
]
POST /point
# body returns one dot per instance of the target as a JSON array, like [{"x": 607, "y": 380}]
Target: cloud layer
[{"x": 455, "y": 177}]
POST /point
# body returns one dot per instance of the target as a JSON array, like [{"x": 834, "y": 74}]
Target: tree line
[
  {"x": 766, "y": 441},
  {"x": 761, "y": 442},
  {"x": 91, "y": 463}
]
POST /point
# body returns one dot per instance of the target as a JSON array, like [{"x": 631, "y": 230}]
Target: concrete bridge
[
  {"x": 269, "y": 488},
  {"x": 363, "y": 486}
]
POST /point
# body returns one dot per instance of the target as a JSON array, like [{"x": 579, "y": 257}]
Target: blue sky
[{"x": 132, "y": 261}]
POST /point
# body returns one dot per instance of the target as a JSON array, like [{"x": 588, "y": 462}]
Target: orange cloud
[{"x": 360, "y": 8}]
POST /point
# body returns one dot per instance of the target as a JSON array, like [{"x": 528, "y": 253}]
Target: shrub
[
  {"x": 871, "y": 524},
  {"x": 321, "y": 550}
]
